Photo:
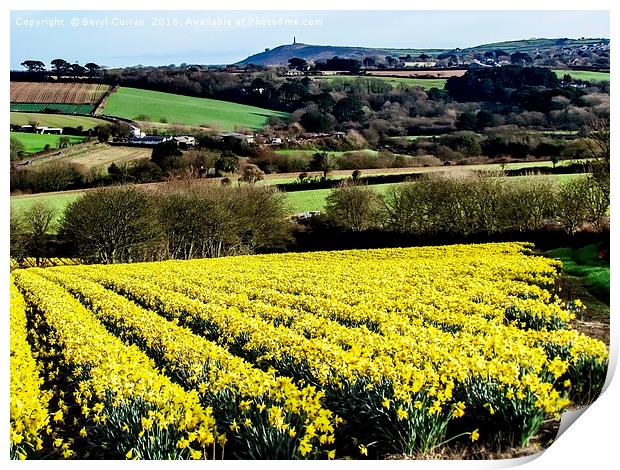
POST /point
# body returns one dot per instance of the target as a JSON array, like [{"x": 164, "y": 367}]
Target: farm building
[
  {"x": 51, "y": 130},
  {"x": 321, "y": 135},
  {"x": 185, "y": 141},
  {"x": 419, "y": 64},
  {"x": 40, "y": 129},
  {"x": 149, "y": 140},
  {"x": 243, "y": 137},
  {"x": 136, "y": 132},
  {"x": 307, "y": 215}
]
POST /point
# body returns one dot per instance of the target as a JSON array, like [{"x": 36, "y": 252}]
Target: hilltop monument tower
[{"x": 294, "y": 40}]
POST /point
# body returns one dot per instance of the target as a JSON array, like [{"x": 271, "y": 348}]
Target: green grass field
[
  {"x": 56, "y": 120},
  {"x": 585, "y": 75},
  {"x": 131, "y": 103},
  {"x": 36, "y": 142},
  {"x": 584, "y": 263},
  {"x": 314, "y": 200},
  {"x": 518, "y": 165},
  {"x": 58, "y": 201},
  {"x": 428, "y": 83},
  {"x": 425, "y": 83}
]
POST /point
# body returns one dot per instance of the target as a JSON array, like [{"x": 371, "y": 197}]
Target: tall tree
[
  {"x": 38, "y": 222},
  {"x": 391, "y": 60},
  {"x": 33, "y": 65},
  {"x": 349, "y": 109},
  {"x": 325, "y": 102},
  {"x": 60, "y": 66},
  {"x": 323, "y": 161},
  {"x": 93, "y": 69},
  {"x": 369, "y": 62},
  {"x": 316, "y": 121},
  {"x": 76, "y": 70},
  {"x": 597, "y": 140},
  {"x": 297, "y": 63}
]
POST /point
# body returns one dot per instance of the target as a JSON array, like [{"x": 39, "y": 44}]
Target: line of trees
[
  {"x": 499, "y": 84},
  {"x": 128, "y": 224},
  {"x": 470, "y": 204},
  {"x": 182, "y": 221},
  {"x": 60, "y": 67}
]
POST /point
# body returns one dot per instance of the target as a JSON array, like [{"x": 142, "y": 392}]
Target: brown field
[
  {"x": 64, "y": 93},
  {"x": 98, "y": 156},
  {"x": 417, "y": 73}
]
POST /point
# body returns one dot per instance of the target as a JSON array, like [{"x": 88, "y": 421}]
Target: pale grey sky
[{"x": 120, "y": 38}]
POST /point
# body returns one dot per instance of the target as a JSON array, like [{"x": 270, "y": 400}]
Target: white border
[{"x": 591, "y": 442}]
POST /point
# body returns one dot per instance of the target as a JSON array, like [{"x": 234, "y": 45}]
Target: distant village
[{"x": 570, "y": 55}]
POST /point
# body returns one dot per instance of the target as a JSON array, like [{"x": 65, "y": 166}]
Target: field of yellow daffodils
[{"x": 360, "y": 354}]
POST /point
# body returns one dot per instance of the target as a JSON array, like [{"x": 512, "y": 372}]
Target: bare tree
[
  {"x": 262, "y": 218},
  {"x": 598, "y": 144},
  {"x": 18, "y": 239},
  {"x": 195, "y": 222},
  {"x": 597, "y": 139},
  {"x": 356, "y": 207},
  {"x": 37, "y": 225},
  {"x": 115, "y": 224},
  {"x": 324, "y": 162},
  {"x": 252, "y": 174},
  {"x": 595, "y": 202},
  {"x": 210, "y": 221},
  {"x": 571, "y": 211}
]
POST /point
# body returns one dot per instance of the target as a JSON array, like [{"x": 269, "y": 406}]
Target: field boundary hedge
[{"x": 401, "y": 178}]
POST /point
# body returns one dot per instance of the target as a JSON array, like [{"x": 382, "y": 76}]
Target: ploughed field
[
  {"x": 362, "y": 353},
  {"x": 45, "y": 92},
  {"x": 72, "y": 97}
]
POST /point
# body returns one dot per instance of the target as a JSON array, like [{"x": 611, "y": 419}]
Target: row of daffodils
[{"x": 362, "y": 353}]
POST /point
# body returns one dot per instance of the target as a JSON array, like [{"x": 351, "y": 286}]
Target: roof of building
[
  {"x": 150, "y": 138},
  {"x": 235, "y": 134},
  {"x": 185, "y": 138}
]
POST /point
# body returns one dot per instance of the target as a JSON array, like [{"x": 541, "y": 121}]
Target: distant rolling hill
[{"x": 313, "y": 53}]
